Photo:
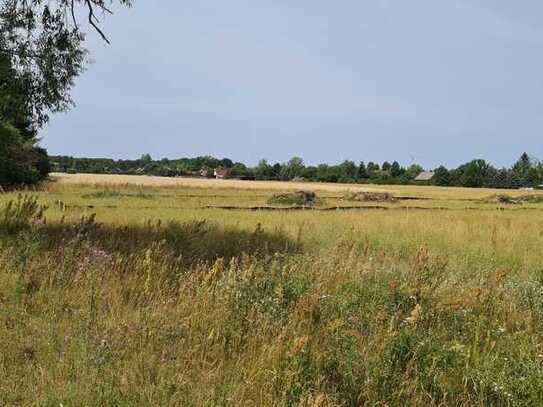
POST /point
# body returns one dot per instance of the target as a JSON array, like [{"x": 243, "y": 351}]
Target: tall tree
[
  {"x": 41, "y": 52},
  {"x": 442, "y": 177},
  {"x": 43, "y": 41},
  {"x": 362, "y": 173},
  {"x": 474, "y": 173},
  {"x": 373, "y": 169},
  {"x": 396, "y": 169},
  {"x": 523, "y": 165},
  {"x": 21, "y": 160},
  {"x": 293, "y": 168},
  {"x": 348, "y": 170}
]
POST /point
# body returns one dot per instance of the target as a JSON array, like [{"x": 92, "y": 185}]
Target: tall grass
[{"x": 270, "y": 309}]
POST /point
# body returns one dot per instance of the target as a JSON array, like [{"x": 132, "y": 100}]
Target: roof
[
  {"x": 425, "y": 176},
  {"x": 220, "y": 172}
]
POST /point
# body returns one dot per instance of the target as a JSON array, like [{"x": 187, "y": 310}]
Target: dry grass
[
  {"x": 149, "y": 181},
  {"x": 160, "y": 305}
]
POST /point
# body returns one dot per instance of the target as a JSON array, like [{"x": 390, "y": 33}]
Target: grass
[{"x": 134, "y": 301}]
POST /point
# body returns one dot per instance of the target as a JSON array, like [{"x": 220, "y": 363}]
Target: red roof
[{"x": 221, "y": 172}]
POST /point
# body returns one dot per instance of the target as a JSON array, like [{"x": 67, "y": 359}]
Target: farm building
[
  {"x": 220, "y": 173},
  {"x": 425, "y": 177},
  {"x": 204, "y": 172}
]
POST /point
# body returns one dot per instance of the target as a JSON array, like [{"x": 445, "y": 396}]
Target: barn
[{"x": 425, "y": 177}]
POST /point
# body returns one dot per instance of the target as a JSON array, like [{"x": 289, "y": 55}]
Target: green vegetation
[
  {"x": 151, "y": 304},
  {"x": 526, "y": 172},
  {"x": 22, "y": 161},
  {"x": 41, "y": 54},
  {"x": 115, "y": 193},
  {"x": 299, "y": 198}
]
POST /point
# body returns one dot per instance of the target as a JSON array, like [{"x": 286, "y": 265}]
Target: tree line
[
  {"x": 526, "y": 172},
  {"x": 42, "y": 52}
]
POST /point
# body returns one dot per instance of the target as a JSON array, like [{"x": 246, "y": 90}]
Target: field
[{"x": 142, "y": 291}]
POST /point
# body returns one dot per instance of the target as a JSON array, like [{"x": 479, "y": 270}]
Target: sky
[{"x": 432, "y": 82}]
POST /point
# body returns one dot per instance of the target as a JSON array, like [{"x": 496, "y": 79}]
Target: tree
[
  {"x": 20, "y": 161},
  {"x": 145, "y": 159},
  {"x": 41, "y": 53},
  {"x": 292, "y": 169},
  {"x": 522, "y": 166},
  {"x": 373, "y": 169},
  {"x": 263, "y": 170},
  {"x": 412, "y": 171},
  {"x": 386, "y": 166},
  {"x": 502, "y": 178},
  {"x": 347, "y": 171},
  {"x": 14, "y": 101},
  {"x": 309, "y": 173},
  {"x": 23, "y": 162},
  {"x": 226, "y": 163},
  {"x": 362, "y": 173},
  {"x": 474, "y": 173},
  {"x": 277, "y": 168},
  {"x": 238, "y": 170},
  {"x": 396, "y": 169},
  {"x": 43, "y": 41},
  {"x": 442, "y": 177}
]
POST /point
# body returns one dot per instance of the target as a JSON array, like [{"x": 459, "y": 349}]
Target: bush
[
  {"x": 300, "y": 198},
  {"x": 21, "y": 162},
  {"x": 20, "y": 214}
]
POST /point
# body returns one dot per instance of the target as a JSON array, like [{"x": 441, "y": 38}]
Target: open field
[
  {"x": 213, "y": 184},
  {"x": 131, "y": 291}
]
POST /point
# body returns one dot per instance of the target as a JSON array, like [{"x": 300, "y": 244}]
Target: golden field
[
  {"x": 130, "y": 291},
  {"x": 204, "y": 183}
]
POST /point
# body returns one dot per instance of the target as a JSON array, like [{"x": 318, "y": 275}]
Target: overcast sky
[{"x": 438, "y": 82}]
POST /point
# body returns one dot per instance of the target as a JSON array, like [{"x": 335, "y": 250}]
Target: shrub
[
  {"x": 299, "y": 198},
  {"x": 20, "y": 214},
  {"x": 21, "y": 162}
]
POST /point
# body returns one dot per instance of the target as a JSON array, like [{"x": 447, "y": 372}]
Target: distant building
[
  {"x": 204, "y": 172},
  {"x": 425, "y": 177},
  {"x": 220, "y": 173}
]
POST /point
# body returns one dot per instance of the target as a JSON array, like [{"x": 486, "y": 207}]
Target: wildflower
[{"x": 300, "y": 343}]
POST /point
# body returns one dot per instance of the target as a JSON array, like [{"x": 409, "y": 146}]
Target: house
[
  {"x": 204, "y": 172},
  {"x": 220, "y": 173},
  {"x": 425, "y": 177}
]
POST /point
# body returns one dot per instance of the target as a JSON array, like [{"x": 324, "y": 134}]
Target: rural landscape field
[
  {"x": 271, "y": 204},
  {"x": 118, "y": 291}
]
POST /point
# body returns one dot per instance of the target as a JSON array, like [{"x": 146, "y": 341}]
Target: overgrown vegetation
[
  {"x": 114, "y": 193},
  {"x": 508, "y": 199},
  {"x": 299, "y": 198},
  {"x": 299, "y": 309}
]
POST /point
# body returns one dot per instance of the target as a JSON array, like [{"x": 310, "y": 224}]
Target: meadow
[{"x": 143, "y": 291}]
